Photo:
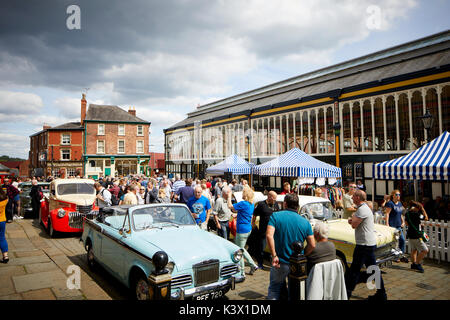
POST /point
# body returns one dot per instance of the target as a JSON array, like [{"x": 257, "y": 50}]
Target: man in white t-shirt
[{"x": 363, "y": 223}]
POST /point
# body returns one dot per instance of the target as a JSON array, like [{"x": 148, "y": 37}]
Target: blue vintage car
[{"x": 125, "y": 239}]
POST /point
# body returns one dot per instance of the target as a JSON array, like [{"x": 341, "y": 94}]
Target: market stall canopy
[
  {"x": 429, "y": 162},
  {"x": 232, "y": 164},
  {"x": 296, "y": 163}
]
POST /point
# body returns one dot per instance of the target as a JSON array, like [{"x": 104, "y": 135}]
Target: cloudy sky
[{"x": 166, "y": 57}]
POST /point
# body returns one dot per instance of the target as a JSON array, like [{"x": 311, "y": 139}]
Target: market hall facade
[{"x": 378, "y": 100}]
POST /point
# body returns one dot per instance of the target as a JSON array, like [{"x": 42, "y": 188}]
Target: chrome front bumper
[
  {"x": 182, "y": 293},
  {"x": 393, "y": 255}
]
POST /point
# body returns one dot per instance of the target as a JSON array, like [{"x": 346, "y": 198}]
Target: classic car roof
[
  {"x": 28, "y": 183},
  {"x": 122, "y": 209},
  {"x": 62, "y": 181}
]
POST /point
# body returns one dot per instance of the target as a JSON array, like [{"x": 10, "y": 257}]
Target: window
[
  {"x": 121, "y": 129},
  {"x": 140, "y": 130},
  {"x": 100, "y": 146},
  {"x": 71, "y": 172},
  {"x": 65, "y": 154},
  {"x": 140, "y": 146},
  {"x": 101, "y": 130},
  {"x": 65, "y": 138},
  {"x": 121, "y": 146}
]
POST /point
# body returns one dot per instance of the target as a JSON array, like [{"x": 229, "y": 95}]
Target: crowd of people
[{"x": 211, "y": 205}]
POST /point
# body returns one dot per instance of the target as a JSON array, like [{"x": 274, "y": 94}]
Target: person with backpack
[{"x": 103, "y": 196}]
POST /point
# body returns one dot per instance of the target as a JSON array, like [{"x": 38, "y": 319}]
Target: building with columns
[{"x": 378, "y": 101}]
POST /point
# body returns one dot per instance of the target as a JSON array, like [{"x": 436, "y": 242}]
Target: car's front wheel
[
  {"x": 141, "y": 288},
  {"x": 90, "y": 257},
  {"x": 51, "y": 231}
]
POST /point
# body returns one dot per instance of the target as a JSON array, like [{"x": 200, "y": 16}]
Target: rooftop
[{"x": 111, "y": 113}]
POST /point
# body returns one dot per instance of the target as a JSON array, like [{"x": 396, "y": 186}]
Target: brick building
[
  {"x": 19, "y": 167},
  {"x": 116, "y": 142},
  {"x": 57, "y": 151}
]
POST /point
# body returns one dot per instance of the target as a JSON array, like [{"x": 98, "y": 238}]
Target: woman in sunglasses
[{"x": 394, "y": 218}]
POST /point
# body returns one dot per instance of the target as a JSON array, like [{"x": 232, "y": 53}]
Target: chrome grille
[
  {"x": 181, "y": 281},
  {"x": 228, "y": 270},
  {"x": 84, "y": 209},
  {"x": 76, "y": 218},
  {"x": 384, "y": 250},
  {"x": 206, "y": 272}
]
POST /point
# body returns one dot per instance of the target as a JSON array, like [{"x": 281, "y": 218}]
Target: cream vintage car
[
  {"x": 340, "y": 231},
  {"x": 69, "y": 201}
]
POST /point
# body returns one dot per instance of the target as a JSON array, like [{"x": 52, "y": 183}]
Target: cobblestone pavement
[{"x": 38, "y": 270}]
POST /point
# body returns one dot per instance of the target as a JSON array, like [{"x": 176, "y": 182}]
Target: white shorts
[{"x": 417, "y": 244}]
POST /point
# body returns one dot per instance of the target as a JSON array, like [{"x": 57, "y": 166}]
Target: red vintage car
[{"x": 69, "y": 201}]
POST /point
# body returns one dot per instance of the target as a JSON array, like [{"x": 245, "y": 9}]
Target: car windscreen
[
  {"x": 75, "y": 188},
  {"x": 161, "y": 216},
  {"x": 319, "y": 210}
]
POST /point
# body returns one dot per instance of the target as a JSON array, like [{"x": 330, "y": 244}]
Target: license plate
[{"x": 210, "y": 295}]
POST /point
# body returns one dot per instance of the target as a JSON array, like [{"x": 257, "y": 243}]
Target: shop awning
[
  {"x": 232, "y": 164},
  {"x": 296, "y": 163},
  {"x": 429, "y": 162}
]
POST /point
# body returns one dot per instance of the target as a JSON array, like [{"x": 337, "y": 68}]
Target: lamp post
[
  {"x": 337, "y": 132},
  {"x": 427, "y": 120}
]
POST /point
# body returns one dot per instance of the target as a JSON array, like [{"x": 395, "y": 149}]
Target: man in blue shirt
[
  {"x": 200, "y": 208},
  {"x": 284, "y": 228}
]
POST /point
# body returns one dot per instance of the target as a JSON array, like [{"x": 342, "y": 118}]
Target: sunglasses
[
  {"x": 397, "y": 194},
  {"x": 352, "y": 187}
]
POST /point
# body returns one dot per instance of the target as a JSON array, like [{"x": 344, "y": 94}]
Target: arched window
[
  {"x": 322, "y": 138},
  {"x": 431, "y": 103},
  {"x": 313, "y": 137},
  {"x": 346, "y": 128},
  {"x": 283, "y": 131},
  {"x": 356, "y": 114},
  {"x": 391, "y": 124},
  {"x": 403, "y": 122},
  {"x": 367, "y": 121},
  {"x": 445, "y": 106},
  {"x": 305, "y": 132},
  {"x": 291, "y": 130},
  {"x": 417, "y": 113},
  {"x": 330, "y": 130},
  {"x": 272, "y": 136},
  {"x": 379, "y": 124},
  {"x": 298, "y": 132}
]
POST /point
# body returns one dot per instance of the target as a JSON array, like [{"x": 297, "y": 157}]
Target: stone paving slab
[
  {"x": 40, "y": 280},
  {"x": 40, "y": 267},
  {"x": 41, "y": 294}
]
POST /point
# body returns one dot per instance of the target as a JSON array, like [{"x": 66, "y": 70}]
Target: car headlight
[
  {"x": 170, "y": 266},
  {"x": 61, "y": 213},
  {"x": 237, "y": 255},
  {"x": 397, "y": 234}
]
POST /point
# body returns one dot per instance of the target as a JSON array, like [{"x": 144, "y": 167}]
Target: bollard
[
  {"x": 297, "y": 274},
  {"x": 159, "y": 281}
]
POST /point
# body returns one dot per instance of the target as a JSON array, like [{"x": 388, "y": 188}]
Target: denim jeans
[
  {"x": 362, "y": 255},
  {"x": 277, "y": 282},
  {"x": 261, "y": 246},
  {"x": 3, "y": 243},
  {"x": 401, "y": 240},
  {"x": 240, "y": 241},
  {"x": 224, "y": 230}
]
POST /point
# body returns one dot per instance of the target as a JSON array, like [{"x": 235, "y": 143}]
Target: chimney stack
[
  {"x": 83, "y": 108},
  {"x": 45, "y": 126},
  {"x": 132, "y": 111}
]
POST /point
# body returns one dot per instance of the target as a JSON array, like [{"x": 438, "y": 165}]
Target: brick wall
[
  {"x": 76, "y": 145},
  {"x": 111, "y": 138}
]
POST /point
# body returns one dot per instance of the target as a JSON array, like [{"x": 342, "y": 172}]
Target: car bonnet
[{"x": 186, "y": 245}]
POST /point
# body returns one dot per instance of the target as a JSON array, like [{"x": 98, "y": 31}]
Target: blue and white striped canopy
[
  {"x": 429, "y": 162},
  {"x": 233, "y": 164},
  {"x": 296, "y": 163}
]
